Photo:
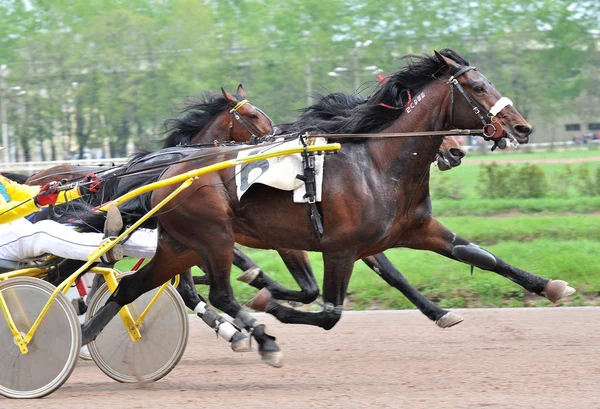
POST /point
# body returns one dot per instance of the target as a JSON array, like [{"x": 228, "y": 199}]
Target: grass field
[
  {"x": 457, "y": 192},
  {"x": 523, "y": 154},
  {"x": 556, "y": 237}
]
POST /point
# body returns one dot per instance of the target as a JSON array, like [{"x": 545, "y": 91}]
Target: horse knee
[{"x": 310, "y": 294}]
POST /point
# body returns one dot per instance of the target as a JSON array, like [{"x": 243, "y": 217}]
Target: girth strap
[{"x": 309, "y": 179}]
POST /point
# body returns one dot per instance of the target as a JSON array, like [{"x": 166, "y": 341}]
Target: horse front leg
[
  {"x": 337, "y": 272},
  {"x": 390, "y": 274},
  {"x": 299, "y": 267},
  {"x": 435, "y": 237}
]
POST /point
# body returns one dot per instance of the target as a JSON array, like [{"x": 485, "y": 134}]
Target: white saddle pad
[{"x": 279, "y": 173}]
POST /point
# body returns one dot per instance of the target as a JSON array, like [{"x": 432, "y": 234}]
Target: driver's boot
[{"x": 112, "y": 227}]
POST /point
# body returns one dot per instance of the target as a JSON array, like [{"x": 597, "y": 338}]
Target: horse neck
[
  {"x": 217, "y": 129},
  {"x": 418, "y": 152}
]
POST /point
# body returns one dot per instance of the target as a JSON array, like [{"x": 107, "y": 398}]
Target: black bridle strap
[
  {"x": 453, "y": 82},
  {"x": 248, "y": 126}
]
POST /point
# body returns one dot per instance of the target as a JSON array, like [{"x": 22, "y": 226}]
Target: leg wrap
[
  {"x": 475, "y": 256},
  {"x": 244, "y": 320},
  {"x": 221, "y": 326},
  {"x": 265, "y": 340}
]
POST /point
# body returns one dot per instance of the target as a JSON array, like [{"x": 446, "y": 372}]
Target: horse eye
[
  {"x": 479, "y": 89},
  {"x": 253, "y": 116}
]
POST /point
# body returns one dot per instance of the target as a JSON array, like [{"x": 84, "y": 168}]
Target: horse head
[
  {"x": 450, "y": 154},
  {"x": 246, "y": 120},
  {"x": 475, "y": 102},
  {"x": 218, "y": 117}
]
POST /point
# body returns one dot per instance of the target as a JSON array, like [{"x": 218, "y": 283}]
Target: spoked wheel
[
  {"x": 54, "y": 348},
  {"x": 164, "y": 337}
]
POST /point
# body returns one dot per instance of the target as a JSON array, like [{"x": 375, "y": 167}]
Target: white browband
[{"x": 499, "y": 106}]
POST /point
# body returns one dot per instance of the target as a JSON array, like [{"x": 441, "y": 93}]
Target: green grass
[
  {"x": 524, "y": 155},
  {"x": 559, "y": 247},
  {"x": 490, "y": 207},
  {"x": 465, "y": 178}
]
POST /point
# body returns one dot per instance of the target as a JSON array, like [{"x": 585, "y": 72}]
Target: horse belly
[{"x": 270, "y": 217}]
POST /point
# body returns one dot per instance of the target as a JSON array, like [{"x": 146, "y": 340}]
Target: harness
[
  {"x": 492, "y": 130},
  {"x": 309, "y": 179},
  {"x": 248, "y": 126}
]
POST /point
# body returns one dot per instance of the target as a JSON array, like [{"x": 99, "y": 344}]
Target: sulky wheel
[
  {"x": 164, "y": 337},
  {"x": 54, "y": 348}
]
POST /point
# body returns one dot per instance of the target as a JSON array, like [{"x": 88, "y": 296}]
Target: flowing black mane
[
  {"x": 198, "y": 114},
  {"x": 341, "y": 113}
]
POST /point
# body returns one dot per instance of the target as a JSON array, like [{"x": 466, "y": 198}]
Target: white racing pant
[{"x": 21, "y": 240}]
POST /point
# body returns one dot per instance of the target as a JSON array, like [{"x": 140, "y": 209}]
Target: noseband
[
  {"x": 250, "y": 127},
  {"x": 492, "y": 130}
]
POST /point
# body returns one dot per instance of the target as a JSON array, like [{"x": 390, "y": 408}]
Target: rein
[
  {"x": 402, "y": 134},
  {"x": 207, "y": 156}
]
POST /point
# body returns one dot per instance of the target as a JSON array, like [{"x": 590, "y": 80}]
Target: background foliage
[{"x": 115, "y": 70}]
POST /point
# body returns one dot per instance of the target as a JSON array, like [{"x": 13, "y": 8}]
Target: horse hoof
[
  {"x": 274, "y": 359},
  {"x": 260, "y": 300},
  {"x": 249, "y": 275},
  {"x": 557, "y": 289},
  {"x": 243, "y": 345},
  {"x": 449, "y": 319}
]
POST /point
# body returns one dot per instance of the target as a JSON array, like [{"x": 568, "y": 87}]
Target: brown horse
[
  {"x": 210, "y": 120},
  {"x": 216, "y": 118},
  {"x": 375, "y": 197}
]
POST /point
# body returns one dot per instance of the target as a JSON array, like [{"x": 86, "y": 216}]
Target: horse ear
[
  {"x": 241, "y": 91},
  {"x": 445, "y": 60},
  {"x": 228, "y": 97}
]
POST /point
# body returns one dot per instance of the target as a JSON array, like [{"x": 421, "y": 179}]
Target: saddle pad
[{"x": 279, "y": 173}]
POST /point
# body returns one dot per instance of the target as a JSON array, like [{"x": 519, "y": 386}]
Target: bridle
[
  {"x": 248, "y": 126},
  {"x": 492, "y": 130}
]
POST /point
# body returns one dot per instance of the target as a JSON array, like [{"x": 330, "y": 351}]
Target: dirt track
[{"x": 510, "y": 358}]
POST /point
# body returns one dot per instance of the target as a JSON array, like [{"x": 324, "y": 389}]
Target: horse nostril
[
  {"x": 523, "y": 130},
  {"x": 458, "y": 153}
]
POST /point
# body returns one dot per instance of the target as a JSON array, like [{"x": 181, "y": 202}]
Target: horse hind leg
[
  {"x": 166, "y": 264},
  {"x": 128, "y": 290},
  {"x": 299, "y": 267},
  {"x": 390, "y": 274},
  {"x": 218, "y": 260},
  {"x": 195, "y": 302},
  {"x": 338, "y": 269}
]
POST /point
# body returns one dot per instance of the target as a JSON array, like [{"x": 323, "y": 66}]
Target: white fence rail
[{"x": 28, "y": 168}]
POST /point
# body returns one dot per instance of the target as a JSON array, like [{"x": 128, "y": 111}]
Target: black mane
[
  {"x": 341, "y": 113},
  {"x": 198, "y": 114}
]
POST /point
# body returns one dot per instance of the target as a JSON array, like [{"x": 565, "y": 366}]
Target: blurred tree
[{"x": 115, "y": 70}]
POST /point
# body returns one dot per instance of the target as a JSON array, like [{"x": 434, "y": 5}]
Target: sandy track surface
[{"x": 509, "y": 358}]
